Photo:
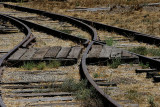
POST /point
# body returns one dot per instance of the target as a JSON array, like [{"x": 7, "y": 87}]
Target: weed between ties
[{"x": 41, "y": 65}]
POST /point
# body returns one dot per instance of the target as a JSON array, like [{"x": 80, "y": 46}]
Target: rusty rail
[
  {"x": 28, "y": 34},
  {"x": 83, "y": 25}
]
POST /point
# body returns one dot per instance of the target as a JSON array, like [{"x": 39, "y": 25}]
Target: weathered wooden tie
[
  {"x": 156, "y": 78},
  {"x": 55, "y": 104},
  {"x": 63, "y": 52},
  {"x": 145, "y": 70},
  {"x": 106, "y": 84},
  {"x": 28, "y": 55},
  {"x": 152, "y": 74},
  {"x": 95, "y": 51},
  {"x": 17, "y": 54},
  {"x": 40, "y": 53},
  {"x": 51, "y": 94},
  {"x": 32, "y": 86},
  {"x": 53, "y": 51},
  {"x": 106, "y": 52},
  {"x": 75, "y": 52},
  {"x": 58, "y": 98}
]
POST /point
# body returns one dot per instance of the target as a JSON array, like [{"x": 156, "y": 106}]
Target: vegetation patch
[
  {"x": 28, "y": 65},
  {"x": 96, "y": 75},
  {"x": 146, "y": 51},
  {"x": 40, "y": 65},
  {"x": 152, "y": 102},
  {"x": 140, "y": 50},
  {"x": 144, "y": 66},
  {"x": 67, "y": 31},
  {"x": 133, "y": 95},
  {"x": 87, "y": 95},
  {"x": 54, "y": 64},
  {"x": 109, "y": 41},
  {"x": 115, "y": 63}
]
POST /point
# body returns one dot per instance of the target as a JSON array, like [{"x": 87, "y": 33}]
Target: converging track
[{"x": 93, "y": 51}]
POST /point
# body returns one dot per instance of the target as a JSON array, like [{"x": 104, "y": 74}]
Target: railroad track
[{"x": 96, "y": 51}]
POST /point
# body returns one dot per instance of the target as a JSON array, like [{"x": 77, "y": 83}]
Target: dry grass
[
  {"x": 144, "y": 20},
  {"x": 131, "y": 86},
  {"x": 91, "y": 3}
]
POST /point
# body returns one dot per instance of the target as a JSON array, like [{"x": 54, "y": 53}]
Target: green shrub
[
  {"x": 152, "y": 102},
  {"x": 41, "y": 65},
  {"x": 80, "y": 36},
  {"x": 154, "y": 52},
  {"x": 69, "y": 85},
  {"x": 133, "y": 95},
  {"x": 95, "y": 75},
  {"x": 83, "y": 94},
  {"x": 115, "y": 63},
  {"x": 140, "y": 50},
  {"x": 109, "y": 41},
  {"x": 87, "y": 95},
  {"x": 146, "y": 51},
  {"x": 67, "y": 31},
  {"x": 28, "y": 65},
  {"x": 144, "y": 66},
  {"x": 54, "y": 64}
]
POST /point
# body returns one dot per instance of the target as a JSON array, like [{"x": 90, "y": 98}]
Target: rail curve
[
  {"x": 85, "y": 26},
  {"x": 28, "y": 34}
]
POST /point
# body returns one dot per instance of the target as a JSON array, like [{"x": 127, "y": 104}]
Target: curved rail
[
  {"x": 59, "y": 17},
  {"x": 28, "y": 34},
  {"x": 54, "y": 32},
  {"x": 106, "y": 99},
  {"x": 138, "y": 36},
  {"x": 125, "y": 32},
  {"x": 21, "y": 25}
]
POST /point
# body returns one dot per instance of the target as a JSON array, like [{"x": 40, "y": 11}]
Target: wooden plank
[
  {"x": 156, "y": 78},
  {"x": 17, "y": 55},
  {"x": 99, "y": 80},
  {"x": 55, "y": 104},
  {"x": 145, "y": 70},
  {"x": 33, "y": 90},
  {"x": 106, "y": 52},
  {"x": 95, "y": 51},
  {"x": 40, "y": 53},
  {"x": 116, "y": 53},
  {"x": 63, "y": 53},
  {"x": 52, "y": 52},
  {"x": 51, "y": 94},
  {"x": 29, "y": 53},
  {"x": 45, "y": 99},
  {"x": 106, "y": 84},
  {"x": 29, "y": 82},
  {"x": 32, "y": 86},
  {"x": 152, "y": 74},
  {"x": 75, "y": 52},
  {"x": 126, "y": 54}
]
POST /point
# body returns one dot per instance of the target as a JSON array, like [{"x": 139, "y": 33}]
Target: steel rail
[
  {"x": 59, "y": 17},
  {"x": 153, "y": 63},
  {"x": 128, "y": 33},
  {"x": 151, "y": 39},
  {"x": 106, "y": 99},
  {"x": 28, "y": 34},
  {"x": 21, "y": 25},
  {"x": 53, "y": 32}
]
